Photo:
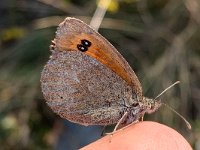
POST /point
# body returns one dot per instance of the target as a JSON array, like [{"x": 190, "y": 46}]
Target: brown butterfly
[{"x": 87, "y": 81}]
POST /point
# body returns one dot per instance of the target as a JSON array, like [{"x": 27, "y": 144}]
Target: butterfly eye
[
  {"x": 86, "y": 43},
  {"x": 82, "y": 48},
  {"x": 135, "y": 104}
]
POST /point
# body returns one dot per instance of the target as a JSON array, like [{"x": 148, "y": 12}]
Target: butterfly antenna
[
  {"x": 187, "y": 123},
  {"x": 177, "y": 82}
]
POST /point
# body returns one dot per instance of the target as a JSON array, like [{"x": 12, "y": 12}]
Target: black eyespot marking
[
  {"x": 82, "y": 48},
  {"x": 86, "y": 43}
]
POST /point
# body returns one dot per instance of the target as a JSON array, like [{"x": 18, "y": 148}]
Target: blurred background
[{"x": 159, "y": 38}]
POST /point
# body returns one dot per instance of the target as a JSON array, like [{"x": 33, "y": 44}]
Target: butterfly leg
[
  {"x": 128, "y": 125},
  {"x": 142, "y": 118},
  {"x": 118, "y": 123}
]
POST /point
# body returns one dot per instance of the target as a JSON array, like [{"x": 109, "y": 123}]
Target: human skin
[{"x": 143, "y": 135}]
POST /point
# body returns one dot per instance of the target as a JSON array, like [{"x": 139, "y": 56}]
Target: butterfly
[{"x": 87, "y": 81}]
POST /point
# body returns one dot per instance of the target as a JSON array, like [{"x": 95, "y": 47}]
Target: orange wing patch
[{"x": 103, "y": 52}]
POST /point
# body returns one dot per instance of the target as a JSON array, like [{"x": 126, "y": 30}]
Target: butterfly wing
[
  {"x": 81, "y": 89},
  {"x": 91, "y": 87}
]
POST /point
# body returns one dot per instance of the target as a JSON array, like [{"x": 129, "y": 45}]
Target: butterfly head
[{"x": 151, "y": 104}]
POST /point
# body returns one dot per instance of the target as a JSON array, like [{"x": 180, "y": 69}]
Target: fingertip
[{"x": 142, "y": 135}]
